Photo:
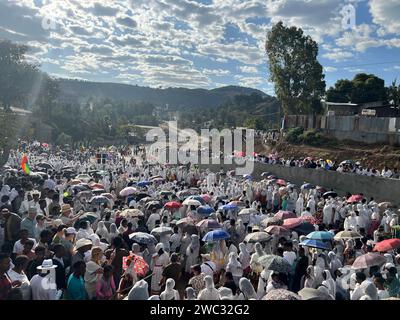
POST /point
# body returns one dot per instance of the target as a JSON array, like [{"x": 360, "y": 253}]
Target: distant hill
[{"x": 176, "y": 98}]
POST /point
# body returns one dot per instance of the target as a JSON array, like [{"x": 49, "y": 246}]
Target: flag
[{"x": 25, "y": 164}]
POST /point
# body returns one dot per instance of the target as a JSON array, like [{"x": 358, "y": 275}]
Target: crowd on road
[{"x": 78, "y": 227}]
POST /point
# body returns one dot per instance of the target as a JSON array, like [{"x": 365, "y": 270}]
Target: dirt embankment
[{"x": 373, "y": 156}]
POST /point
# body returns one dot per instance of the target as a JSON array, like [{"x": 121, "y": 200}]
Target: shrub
[{"x": 293, "y": 135}]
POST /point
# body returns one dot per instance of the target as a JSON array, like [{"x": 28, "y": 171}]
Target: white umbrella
[{"x": 191, "y": 202}]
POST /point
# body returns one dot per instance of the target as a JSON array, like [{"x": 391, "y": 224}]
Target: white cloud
[
  {"x": 386, "y": 13},
  {"x": 330, "y": 69},
  {"x": 248, "y": 69},
  {"x": 337, "y": 54}
]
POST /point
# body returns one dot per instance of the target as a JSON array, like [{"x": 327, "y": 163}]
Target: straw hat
[
  {"x": 65, "y": 208},
  {"x": 47, "y": 265},
  {"x": 82, "y": 243}
]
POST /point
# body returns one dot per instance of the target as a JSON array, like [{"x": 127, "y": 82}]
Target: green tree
[
  {"x": 393, "y": 94},
  {"x": 294, "y": 69}
]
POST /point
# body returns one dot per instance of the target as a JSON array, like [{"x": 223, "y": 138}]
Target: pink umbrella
[
  {"x": 185, "y": 222},
  {"x": 278, "y": 230},
  {"x": 281, "y": 182},
  {"x": 285, "y": 215},
  {"x": 128, "y": 191},
  {"x": 206, "y": 197},
  {"x": 292, "y": 223},
  {"x": 368, "y": 260},
  {"x": 355, "y": 198}
]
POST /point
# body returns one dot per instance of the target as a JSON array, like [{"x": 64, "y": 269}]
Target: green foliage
[
  {"x": 393, "y": 94},
  {"x": 293, "y": 135},
  {"x": 309, "y": 137},
  {"x": 363, "y": 88},
  {"x": 294, "y": 69}
]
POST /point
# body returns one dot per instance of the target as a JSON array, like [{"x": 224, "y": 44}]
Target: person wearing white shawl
[
  {"x": 154, "y": 297},
  {"x": 102, "y": 231},
  {"x": 241, "y": 230},
  {"x": 209, "y": 292},
  {"x": 334, "y": 263},
  {"x": 247, "y": 291},
  {"x": 256, "y": 267},
  {"x": 370, "y": 291},
  {"x": 190, "y": 294},
  {"x": 311, "y": 205},
  {"x": 160, "y": 260},
  {"x": 185, "y": 242},
  {"x": 235, "y": 267},
  {"x": 308, "y": 280},
  {"x": 139, "y": 291},
  {"x": 97, "y": 243},
  {"x": 350, "y": 223},
  {"x": 329, "y": 283},
  {"x": 113, "y": 232},
  {"x": 244, "y": 257},
  {"x": 226, "y": 293},
  {"x": 325, "y": 290},
  {"x": 262, "y": 283},
  {"x": 169, "y": 293},
  {"x": 328, "y": 213},
  {"x": 192, "y": 252}
]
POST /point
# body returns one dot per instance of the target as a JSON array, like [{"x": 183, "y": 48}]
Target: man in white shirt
[
  {"x": 19, "y": 245},
  {"x": 208, "y": 267},
  {"x": 43, "y": 284}
]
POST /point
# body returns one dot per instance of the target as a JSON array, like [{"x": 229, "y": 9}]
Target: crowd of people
[{"x": 80, "y": 229}]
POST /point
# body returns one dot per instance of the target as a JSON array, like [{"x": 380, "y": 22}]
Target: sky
[{"x": 199, "y": 43}]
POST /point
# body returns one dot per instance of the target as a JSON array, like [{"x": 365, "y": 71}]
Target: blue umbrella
[
  {"x": 314, "y": 244},
  {"x": 216, "y": 235},
  {"x": 320, "y": 235},
  {"x": 198, "y": 198},
  {"x": 307, "y": 186},
  {"x": 205, "y": 210},
  {"x": 229, "y": 207},
  {"x": 143, "y": 183}
]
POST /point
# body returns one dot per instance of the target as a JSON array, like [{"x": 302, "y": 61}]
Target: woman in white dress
[{"x": 160, "y": 261}]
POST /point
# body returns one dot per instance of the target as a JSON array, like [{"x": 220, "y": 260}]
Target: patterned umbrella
[
  {"x": 314, "y": 294},
  {"x": 161, "y": 231},
  {"x": 131, "y": 213},
  {"x": 368, "y": 260},
  {"x": 128, "y": 191},
  {"x": 347, "y": 235},
  {"x": 183, "y": 194},
  {"x": 270, "y": 221},
  {"x": 191, "y": 202},
  {"x": 281, "y": 294},
  {"x": 98, "y": 200},
  {"x": 278, "y": 230},
  {"x": 285, "y": 215},
  {"x": 142, "y": 238},
  {"x": 153, "y": 205},
  {"x": 216, "y": 235},
  {"x": 137, "y": 263},
  {"x": 275, "y": 263},
  {"x": 185, "y": 222},
  {"x": 387, "y": 245},
  {"x": 208, "y": 224},
  {"x": 259, "y": 236}
]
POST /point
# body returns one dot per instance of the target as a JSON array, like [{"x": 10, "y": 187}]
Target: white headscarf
[{"x": 247, "y": 290}]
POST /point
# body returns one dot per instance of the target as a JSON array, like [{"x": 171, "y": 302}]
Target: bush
[{"x": 293, "y": 135}]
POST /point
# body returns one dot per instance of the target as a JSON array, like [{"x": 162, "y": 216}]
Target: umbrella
[
  {"x": 191, "y": 202},
  {"x": 368, "y": 260},
  {"x": 156, "y": 177},
  {"x": 161, "y": 231},
  {"x": 328, "y": 194},
  {"x": 216, "y": 235},
  {"x": 79, "y": 187},
  {"x": 98, "y": 191},
  {"x": 146, "y": 199},
  {"x": 198, "y": 198},
  {"x": 307, "y": 186},
  {"x": 208, "y": 224},
  {"x": 165, "y": 192},
  {"x": 153, "y": 205},
  {"x": 108, "y": 195},
  {"x": 127, "y": 191},
  {"x": 281, "y": 294},
  {"x": 183, "y": 194},
  {"x": 385, "y": 205},
  {"x": 141, "y": 196},
  {"x": 314, "y": 244},
  {"x": 172, "y": 205},
  {"x": 259, "y": 236},
  {"x": 206, "y": 197},
  {"x": 247, "y": 211},
  {"x": 314, "y": 294},
  {"x": 45, "y": 165},
  {"x": 98, "y": 200},
  {"x": 309, "y": 219},
  {"x": 285, "y": 214},
  {"x": 304, "y": 228},
  {"x": 229, "y": 207},
  {"x": 270, "y": 221},
  {"x": 142, "y": 238},
  {"x": 347, "y": 235},
  {"x": 205, "y": 210},
  {"x": 143, "y": 183},
  {"x": 320, "y": 235},
  {"x": 237, "y": 203},
  {"x": 184, "y": 222},
  {"x": 387, "y": 245},
  {"x": 278, "y": 230},
  {"x": 131, "y": 213},
  {"x": 275, "y": 263},
  {"x": 355, "y": 198},
  {"x": 75, "y": 182},
  {"x": 157, "y": 180},
  {"x": 97, "y": 186},
  {"x": 292, "y": 223},
  {"x": 87, "y": 216},
  {"x": 281, "y": 182},
  {"x": 137, "y": 263}
]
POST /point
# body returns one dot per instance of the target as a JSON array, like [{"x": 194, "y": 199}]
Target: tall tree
[
  {"x": 393, "y": 94},
  {"x": 294, "y": 69}
]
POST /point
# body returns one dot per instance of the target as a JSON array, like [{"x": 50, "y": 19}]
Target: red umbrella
[
  {"x": 309, "y": 219},
  {"x": 172, "y": 205},
  {"x": 136, "y": 262},
  {"x": 292, "y": 223},
  {"x": 206, "y": 197},
  {"x": 97, "y": 186},
  {"x": 387, "y": 245},
  {"x": 355, "y": 198},
  {"x": 285, "y": 214},
  {"x": 281, "y": 182},
  {"x": 368, "y": 260}
]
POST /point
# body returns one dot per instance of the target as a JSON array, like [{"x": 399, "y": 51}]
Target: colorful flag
[{"x": 25, "y": 164}]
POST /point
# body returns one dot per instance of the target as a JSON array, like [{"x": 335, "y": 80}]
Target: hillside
[{"x": 176, "y": 98}]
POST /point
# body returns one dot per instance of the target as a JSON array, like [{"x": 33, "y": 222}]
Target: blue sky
[{"x": 198, "y": 43}]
